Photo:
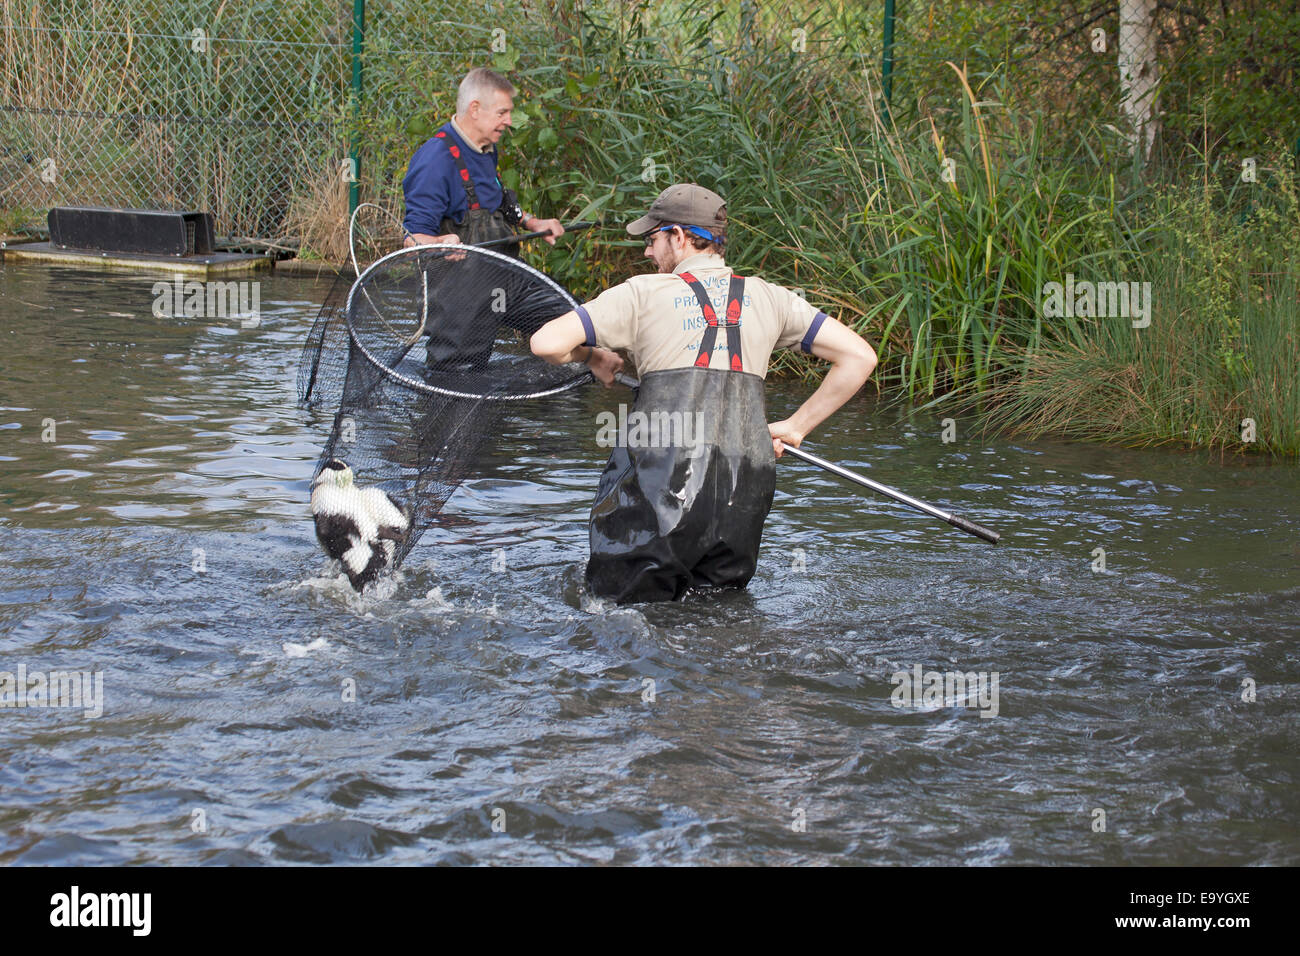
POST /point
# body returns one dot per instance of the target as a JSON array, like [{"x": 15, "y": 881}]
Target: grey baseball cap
[{"x": 685, "y": 204}]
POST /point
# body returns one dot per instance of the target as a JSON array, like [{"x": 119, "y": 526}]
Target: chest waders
[
  {"x": 464, "y": 337},
  {"x": 683, "y": 498}
]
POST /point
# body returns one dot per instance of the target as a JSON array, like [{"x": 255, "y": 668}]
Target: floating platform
[
  {"x": 203, "y": 266},
  {"x": 312, "y": 269}
]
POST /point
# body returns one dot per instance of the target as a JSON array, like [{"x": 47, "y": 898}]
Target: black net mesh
[
  {"x": 437, "y": 354},
  {"x": 327, "y": 345}
]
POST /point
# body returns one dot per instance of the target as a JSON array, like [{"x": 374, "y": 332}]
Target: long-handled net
[{"x": 436, "y": 346}]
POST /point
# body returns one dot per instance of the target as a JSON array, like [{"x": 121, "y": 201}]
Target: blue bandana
[{"x": 693, "y": 230}]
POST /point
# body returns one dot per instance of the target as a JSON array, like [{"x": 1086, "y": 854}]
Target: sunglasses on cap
[{"x": 693, "y": 230}]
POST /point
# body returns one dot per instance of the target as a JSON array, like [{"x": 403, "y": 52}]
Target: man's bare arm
[
  {"x": 561, "y": 341},
  {"x": 852, "y": 362}
]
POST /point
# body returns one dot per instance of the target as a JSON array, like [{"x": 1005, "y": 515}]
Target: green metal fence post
[
  {"x": 354, "y": 149},
  {"x": 887, "y": 58}
]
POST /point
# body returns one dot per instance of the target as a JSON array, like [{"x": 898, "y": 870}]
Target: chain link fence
[
  {"x": 232, "y": 108},
  {"x": 243, "y": 109}
]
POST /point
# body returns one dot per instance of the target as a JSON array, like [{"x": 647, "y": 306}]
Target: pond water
[{"x": 480, "y": 707}]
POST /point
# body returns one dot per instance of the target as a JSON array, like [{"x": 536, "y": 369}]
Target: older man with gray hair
[{"x": 452, "y": 190}]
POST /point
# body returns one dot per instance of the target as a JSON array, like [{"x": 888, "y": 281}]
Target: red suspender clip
[
  {"x": 735, "y": 295},
  {"x": 461, "y": 168}
]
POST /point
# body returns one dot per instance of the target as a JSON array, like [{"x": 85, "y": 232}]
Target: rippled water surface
[{"x": 491, "y": 689}]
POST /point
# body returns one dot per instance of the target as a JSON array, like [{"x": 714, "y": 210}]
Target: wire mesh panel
[{"x": 233, "y": 108}]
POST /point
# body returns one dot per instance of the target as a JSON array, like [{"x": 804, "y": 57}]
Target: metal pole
[
  {"x": 962, "y": 524},
  {"x": 958, "y": 522},
  {"x": 354, "y": 147},
  {"x": 887, "y": 58}
]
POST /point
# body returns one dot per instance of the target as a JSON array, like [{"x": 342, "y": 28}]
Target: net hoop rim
[{"x": 425, "y": 387}]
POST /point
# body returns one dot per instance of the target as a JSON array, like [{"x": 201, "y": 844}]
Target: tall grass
[
  {"x": 1219, "y": 365},
  {"x": 1171, "y": 386},
  {"x": 964, "y": 224},
  {"x": 825, "y": 193}
]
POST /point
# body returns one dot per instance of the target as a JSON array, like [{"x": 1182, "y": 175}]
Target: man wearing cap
[
  {"x": 689, "y": 511},
  {"x": 451, "y": 186}
]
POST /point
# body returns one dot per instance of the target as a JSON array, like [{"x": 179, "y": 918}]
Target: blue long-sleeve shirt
[{"x": 433, "y": 187}]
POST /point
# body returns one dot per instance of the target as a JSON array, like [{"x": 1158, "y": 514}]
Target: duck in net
[{"x": 437, "y": 355}]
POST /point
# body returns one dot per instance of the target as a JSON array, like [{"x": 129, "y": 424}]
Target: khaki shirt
[{"x": 658, "y": 321}]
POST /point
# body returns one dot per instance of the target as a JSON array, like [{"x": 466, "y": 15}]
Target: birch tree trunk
[{"x": 1138, "y": 73}]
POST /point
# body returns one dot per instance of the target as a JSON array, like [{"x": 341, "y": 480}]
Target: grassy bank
[{"x": 1219, "y": 365}]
